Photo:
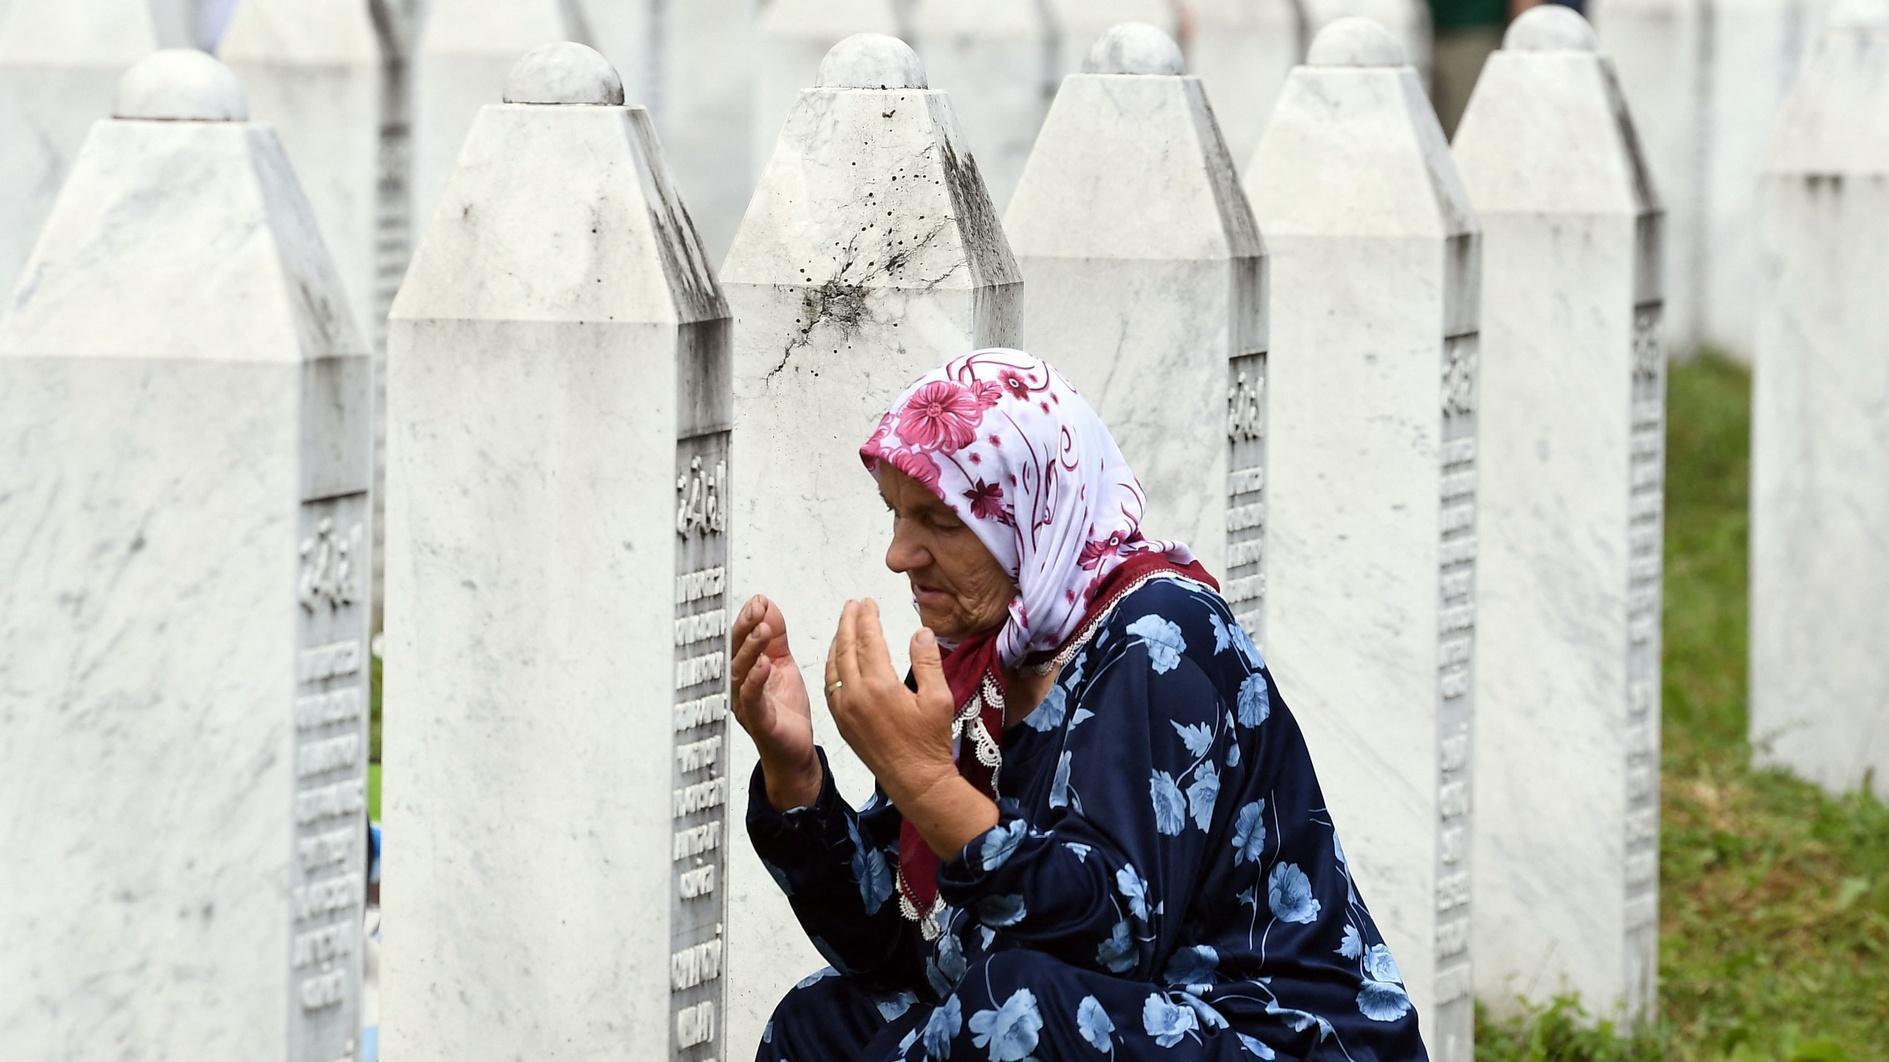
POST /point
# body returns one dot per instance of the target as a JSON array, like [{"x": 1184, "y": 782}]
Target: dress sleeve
[
  {"x": 835, "y": 866},
  {"x": 1100, "y": 872}
]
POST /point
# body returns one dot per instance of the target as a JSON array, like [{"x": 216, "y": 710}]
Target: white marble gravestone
[
  {"x": 1753, "y": 50},
  {"x": 184, "y": 409},
  {"x": 323, "y": 73},
  {"x": 997, "y": 60},
  {"x": 870, "y": 254},
  {"x": 558, "y": 415},
  {"x": 1407, "y": 20},
  {"x": 1371, "y": 495},
  {"x": 465, "y": 50},
  {"x": 794, "y": 37},
  {"x": 1146, "y": 281},
  {"x": 1657, "y": 49},
  {"x": 703, "y": 103},
  {"x": 1080, "y": 22},
  {"x": 1820, "y": 419},
  {"x": 59, "y": 66},
  {"x": 1570, "y": 499},
  {"x": 1242, "y": 51}
]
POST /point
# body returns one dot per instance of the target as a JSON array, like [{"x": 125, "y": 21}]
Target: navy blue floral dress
[{"x": 1164, "y": 883}]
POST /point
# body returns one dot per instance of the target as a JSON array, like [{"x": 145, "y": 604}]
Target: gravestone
[
  {"x": 1657, "y": 48},
  {"x": 795, "y": 36},
  {"x": 1147, "y": 286},
  {"x": 1753, "y": 50},
  {"x": 1407, "y": 20},
  {"x": 1080, "y": 22},
  {"x": 1242, "y": 51},
  {"x": 184, "y": 408},
  {"x": 59, "y": 67},
  {"x": 870, "y": 254},
  {"x": 558, "y": 416},
  {"x": 1820, "y": 418},
  {"x": 326, "y": 76},
  {"x": 464, "y": 53},
  {"x": 997, "y": 59},
  {"x": 704, "y": 88},
  {"x": 1570, "y": 495},
  {"x": 1371, "y": 521}
]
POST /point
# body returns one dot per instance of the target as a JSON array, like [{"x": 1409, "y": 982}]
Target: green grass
[{"x": 1774, "y": 899}]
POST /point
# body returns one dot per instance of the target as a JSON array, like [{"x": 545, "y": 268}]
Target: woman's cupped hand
[{"x": 904, "y": 738}]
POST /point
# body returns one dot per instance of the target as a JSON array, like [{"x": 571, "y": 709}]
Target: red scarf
[{"x": 972, "y": 671}]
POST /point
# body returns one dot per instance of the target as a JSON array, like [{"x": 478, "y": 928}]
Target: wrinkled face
[{"x": 960, "y": 588}]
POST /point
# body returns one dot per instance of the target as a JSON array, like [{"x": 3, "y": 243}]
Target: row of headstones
[
  {"x": 1705, "y": 76},
  {"x": 1441, "y": 444}
]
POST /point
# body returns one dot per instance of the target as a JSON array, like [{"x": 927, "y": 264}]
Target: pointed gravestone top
[
  {"x": 564, "y": 73},
  {"x": 871, "y": 61},
  {"x": 1356, "y": 41},
  {"x": 1135, "y": 48},
  {"x": 181, "y": 85},
  {"x": 1549, "y": 28}
]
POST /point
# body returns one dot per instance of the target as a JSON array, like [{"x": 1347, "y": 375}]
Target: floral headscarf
[{"x": 1000, "y": 437}]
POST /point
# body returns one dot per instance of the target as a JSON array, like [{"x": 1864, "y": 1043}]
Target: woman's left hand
[{"x": 904, "y": 738}]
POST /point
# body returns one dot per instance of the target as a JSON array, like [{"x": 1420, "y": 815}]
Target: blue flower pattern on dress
[
  {"x": 1100, "y": 919},
  {"x": 1009, "y": 1031}
]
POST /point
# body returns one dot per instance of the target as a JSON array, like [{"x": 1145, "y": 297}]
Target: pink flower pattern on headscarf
[{"x": 1005, "y": 440}]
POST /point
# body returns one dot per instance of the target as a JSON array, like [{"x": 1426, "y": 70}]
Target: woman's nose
[{"x": 904, "y": 554}]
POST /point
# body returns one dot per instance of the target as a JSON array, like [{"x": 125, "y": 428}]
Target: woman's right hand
[{"x": 771, "y": 704}]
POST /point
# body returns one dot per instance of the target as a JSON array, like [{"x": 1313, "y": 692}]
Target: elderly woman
[{"x": 1096, "y": 830}]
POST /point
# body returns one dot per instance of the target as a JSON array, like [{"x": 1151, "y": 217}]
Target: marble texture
[
  {"x": 320, "y": 74},
  {"x": 1147, "y": 288},
  {"x": 558, "y": 410},
  {"x": 870, "y": 254},
  {"x": 1407, "y": 20},
  {"x": 1753, "y": 51},
  {"x": 59, "y": 68},
  {"x": 1079, "y": 23},
  {"x": 183, "y": 406},
  {"x": 1242, "y": 51},
  {"x": 1820, "y": 419},
  {"x": 1570, "y": 501},
  {"x": 1657, "y": 48},
  {"x": 463, "y": 55},
  {"x": 794, "y": 37},
  {"x": 1370, "y": 539},
  {"x": 997, "y": 59}
]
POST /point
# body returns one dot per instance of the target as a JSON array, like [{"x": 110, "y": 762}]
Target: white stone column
[
  {"x": 794, "y": 37},
  {"x": 997, "y": 59},
  {"x": 466, "y": 48},
  {"x": 1407, "y": 20},
  {"x": 1147, "y": 286},
  {"x": 558, "y": 415},
  {"x": 59, "y": 66},
  {"x": 1242, "y": 51},
  {"x": 1753, "y": 50},
  {"x": 325, "y": 74},
  {"x": 1080, "y": 22},
  {"x": 871, "y": 253},
  {"x": 703, "y": 103},
  {"x": 1657, "y": 49},
  {"x": 1571, "y": 489},
  {"x": 1371, "y": 510},
  {"x": 183, "y": 733},
  {"x": 1820, "y": 418}
]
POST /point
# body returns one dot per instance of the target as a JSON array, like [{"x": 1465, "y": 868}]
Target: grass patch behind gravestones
[{"x": 1774, "y": 899}]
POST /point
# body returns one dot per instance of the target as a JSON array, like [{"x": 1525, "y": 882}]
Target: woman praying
[{"x": 1096, "y": 830}]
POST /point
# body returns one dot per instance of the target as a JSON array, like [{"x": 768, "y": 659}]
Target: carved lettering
[
  {"x": 331, "y": 572},
  {"x": 699, "y": 499}
]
